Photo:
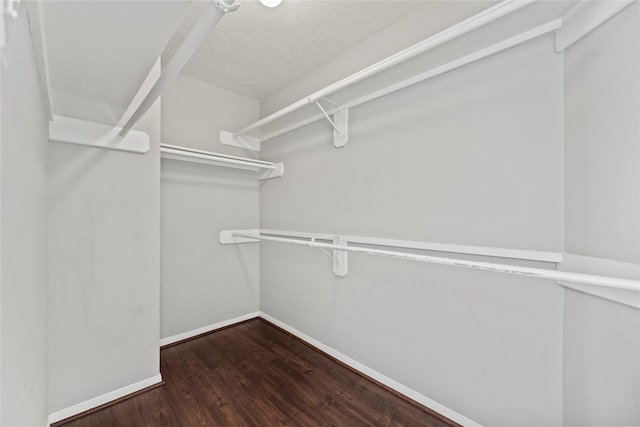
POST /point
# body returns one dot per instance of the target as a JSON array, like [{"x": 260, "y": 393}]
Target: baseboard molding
[
  {"x": 206, "y": 329},
  {"x": 106, "y": 398},
  {"x": 392, "y": 384}
]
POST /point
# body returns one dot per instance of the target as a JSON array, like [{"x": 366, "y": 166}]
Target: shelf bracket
[
  {"x": 341, "y": 119},
  {"x": 340, "y": 123},
  {"x": 274, "y": 173},
  {"x": 241, "y": 141},
  {"x": 98, "y": 135},
  {"x": 226, "y": 237},
  {"x": 340, "y": 258}
]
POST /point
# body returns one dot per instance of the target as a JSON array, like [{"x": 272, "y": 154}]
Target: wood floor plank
[{"x": 254, "y": 374}]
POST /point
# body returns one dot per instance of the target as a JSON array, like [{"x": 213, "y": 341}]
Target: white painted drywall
[
  {"x": 473, "y": 157},
  {"x": 601, "y": 362},
  {"x": 194, "y": 113},
  {"x": 24, "y": 235},
  {"x": 104, "y": 267},
  {"x": 99, "y": 52},
  {"x": 603, "y": 150},
  {"x": 203, "y": 283},
  {"x": 602, "y": 338}
]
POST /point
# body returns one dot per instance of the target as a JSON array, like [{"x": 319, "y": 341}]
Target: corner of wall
[{"x": 23, "y": 242}]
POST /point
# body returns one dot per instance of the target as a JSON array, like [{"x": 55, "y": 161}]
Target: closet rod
[
  {"x": 434, "y": 72},
  {"x": 541, "y": 273},
  {"x": 206, "y": 155},
  {"x": 217, "y": 9},
  {"x": 476, "y": 21}
]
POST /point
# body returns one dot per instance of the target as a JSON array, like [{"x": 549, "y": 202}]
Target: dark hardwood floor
[{"x": 254, "y": 374}]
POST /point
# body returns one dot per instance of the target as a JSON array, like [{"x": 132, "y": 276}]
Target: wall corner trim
[
  {"x": 102, "y": 399},
  {"x": 404, "y": 390}
]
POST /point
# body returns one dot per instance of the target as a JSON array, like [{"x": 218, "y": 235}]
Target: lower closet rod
[
  {"x": 216, "y": 157},
  {"x": 541, "y": 273}
]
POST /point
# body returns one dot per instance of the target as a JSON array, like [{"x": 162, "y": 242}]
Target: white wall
[
  {"x": 602, "y": 108},
  {"x": 475, "y": 157},
  {"x": 202, "y": 282},
  {"x": 24, "y": 235},
  {"x": 104, "y": 268},
  {"x": 602, "y": 338},
  {"x": 194, "y": 113}
]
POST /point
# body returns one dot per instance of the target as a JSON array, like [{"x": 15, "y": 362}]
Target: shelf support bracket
[
  {"x": 340, "y": 258},
  {"x": 240, "y": 141},
  {"x": 340, "y": 123},
  {"x": 226, "y": 237},
  {"x": 98, "y": 135},
  {"x": 274, "y": 173}
]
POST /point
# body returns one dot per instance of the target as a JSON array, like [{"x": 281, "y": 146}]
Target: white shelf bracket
[
  {"x": 340, "y": 258},
  {"x": 274, "y": 173},
  {"x": 227, "y": 237},
  {"x": 98, "y": 135},
  {"x": 12, "y": 8},
  {"x": 341, "y": 119},
  {"x": 605, "y": 267},
  {"x": 339, "y": 123},
  {"x": 8, "y": 10},
  {"x": 241, "y": 141}
]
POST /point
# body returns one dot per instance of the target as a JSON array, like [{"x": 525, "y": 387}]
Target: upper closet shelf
[
  {"x": 267, "y": 170},
  {"x": 346, "y": 93},
  {"x": 93, "y": 133}
]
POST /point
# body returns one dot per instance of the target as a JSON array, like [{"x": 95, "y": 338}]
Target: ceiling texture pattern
[{"x": 256, "y": 50}]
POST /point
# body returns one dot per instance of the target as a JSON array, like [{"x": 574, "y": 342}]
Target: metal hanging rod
[
  {"x": 489, "y": 15},
  {"x": 271, "y": 170},
  {"x": 217, "y": 157},
  {"x": 217, "y": 9},
  {"x": 541, "y": 273},
  {"x": 434, "y": 72}
]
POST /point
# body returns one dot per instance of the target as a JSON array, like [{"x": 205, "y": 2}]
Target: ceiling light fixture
[{"x": 271, "y": 3}]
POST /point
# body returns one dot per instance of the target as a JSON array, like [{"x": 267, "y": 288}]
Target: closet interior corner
[{"x": 456, "y": 241}]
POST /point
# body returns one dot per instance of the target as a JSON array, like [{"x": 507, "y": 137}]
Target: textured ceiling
[{"x": 256, "y": 51}]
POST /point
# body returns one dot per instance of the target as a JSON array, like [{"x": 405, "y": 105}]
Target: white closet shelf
[
  {"x": 340, "y": 245},
  {"x": 338, "y": 114},
  {"x": 268, "y": 170},
  {"x": 92, "y": 134},
  {"x": 81, "y": 132},
  {"x": 579, "y": 21}
]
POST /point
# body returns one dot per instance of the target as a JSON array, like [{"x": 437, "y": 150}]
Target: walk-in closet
[{"x": 319, "y": 213}]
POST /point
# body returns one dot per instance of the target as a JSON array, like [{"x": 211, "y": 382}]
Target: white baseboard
[
  {"x": 203, "y": 330},
  {"x": 101, "y": 400},
  {"x": 406, "y": 391}
]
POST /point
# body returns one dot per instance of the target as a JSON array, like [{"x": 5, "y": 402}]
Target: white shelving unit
[
  {"x": 567, "y": 28},
  {"x": 341, "y": 245}
]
